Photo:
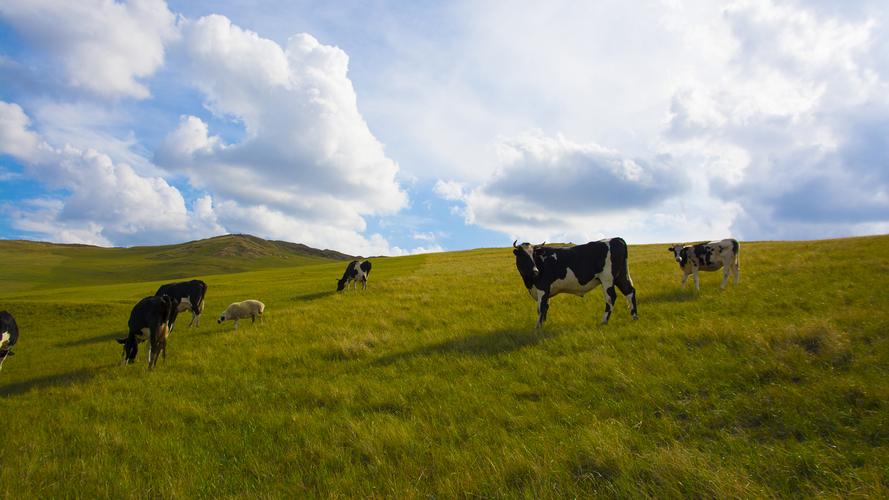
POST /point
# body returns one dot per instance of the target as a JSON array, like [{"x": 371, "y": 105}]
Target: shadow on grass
[
  {"x": 107, "y": 337},
  {"x": 60, "y": 379},
  {"x": 479, "y": 344},
  {"x": 312, "y": 296},
  {"x": 667, "y": 297}
]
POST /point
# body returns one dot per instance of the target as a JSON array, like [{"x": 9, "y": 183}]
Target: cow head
[
  {"x": 340, "y": 284},
  {"x": 680, "y": 254},
  {"x": 130, "y": 348},
  {"x": 524, "y": 261}
]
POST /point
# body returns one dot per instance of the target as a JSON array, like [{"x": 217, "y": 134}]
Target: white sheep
[{"x": 241, "y": 310}]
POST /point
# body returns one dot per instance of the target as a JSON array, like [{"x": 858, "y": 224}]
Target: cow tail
[
  {"x": 736, "y": 248},
  {"x": 197, "y": 306}
]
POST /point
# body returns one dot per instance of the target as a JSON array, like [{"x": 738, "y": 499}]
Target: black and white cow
[
  {"x": 148, "y": 321},
  {"x": 9, "y": 335},
  {"x": 187, "y": 296},
  {"x": 549, "y": 271},
  {"x": 355, "y": 272},
  {"x": 712, "y": 256}
]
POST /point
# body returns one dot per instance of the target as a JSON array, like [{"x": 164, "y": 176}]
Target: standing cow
[
  {"x": 187, "y": 296},
  {"x": 9, "y": 335},
  {"x": 712, "y": 256},
  {"x": 548, "y": 271},
  {"x": 355, "y": 272},
  {"x": 148, "y": 321}
]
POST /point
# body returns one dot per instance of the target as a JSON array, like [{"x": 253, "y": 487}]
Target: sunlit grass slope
[
  {"x": 28, "y": 265},
  {"x": 433, "y": 382}
]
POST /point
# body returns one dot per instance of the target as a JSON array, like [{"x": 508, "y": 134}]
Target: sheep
[{"x": 241, "y": 310}]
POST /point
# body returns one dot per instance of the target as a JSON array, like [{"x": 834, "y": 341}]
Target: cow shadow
[
  {"x": 57, "y": 380},
  {"x": 99, "y": 339},
  {"x": 669, "y": 297},
  {"x": 312, "y": 296},
  {"x": 489, "y": 343}
]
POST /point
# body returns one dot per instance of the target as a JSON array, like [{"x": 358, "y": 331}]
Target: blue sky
[{"x": 398, "y": 127}]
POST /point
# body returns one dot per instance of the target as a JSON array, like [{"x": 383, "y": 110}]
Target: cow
[
  {"x": 712, "y": 256},
  {"x": 149, "y": 320},
  {"x": 355, "y": 272},
  {"x": 548, "y": 271},
  {"x": 186, "y": 295},
  {"x": 9, "y": 335}
]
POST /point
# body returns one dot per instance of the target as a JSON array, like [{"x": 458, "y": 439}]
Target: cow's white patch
[
  {"x": 184, "y": 304},
  {"x": 143, "y": 334},
  {"x": 570, "y": 284},
  {"x": 4, "y": 339}
]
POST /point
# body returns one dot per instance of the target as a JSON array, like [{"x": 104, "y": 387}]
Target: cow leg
[
  {"x": 694, "y": 272},
  {"x": 610, "y": 297},
  {"x": 736, "y": 269},
  {"x": 365, "y": 284},
  {"x": 726, "y": 270},
  {"x": 542, "y": 308},
  {"x": 684, "y": 279},
  {"x": 626, "y": 287},
  {"x": 236, "y": 324}
]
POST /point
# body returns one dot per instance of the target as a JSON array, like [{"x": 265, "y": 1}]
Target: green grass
[
  {"x": 434, "y": 382},
  {"x": 32, "y": 265}
]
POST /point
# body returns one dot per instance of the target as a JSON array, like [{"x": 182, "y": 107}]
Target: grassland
[
  {"x": 434, "y": 382},
  {"x": 30, "y": 265}
]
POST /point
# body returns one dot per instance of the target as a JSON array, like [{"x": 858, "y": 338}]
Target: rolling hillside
[
  {"x": 433, "y": 382},
  {"x": 28, "y": 265}
]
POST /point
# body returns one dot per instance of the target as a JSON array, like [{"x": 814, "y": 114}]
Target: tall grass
[{"x": 434, "y": 382}]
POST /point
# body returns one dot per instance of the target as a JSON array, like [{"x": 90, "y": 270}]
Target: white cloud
[
  {"x": 553, "y": 188},
  {"x": 103, "y": 46},
  {"x": 100, "y": 202},
  {"x": 307, "y": 161},
  {"x": 15, "y": 138},
  {"x": 773, "y": 118}
]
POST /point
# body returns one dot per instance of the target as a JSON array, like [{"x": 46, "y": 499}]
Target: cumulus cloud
[
  {"x": 553, "y": 187},
  {"x": 103, "y": 47},
  {"x": 99, "y": 201},
  {"x": 801, "y": 125},
  {"x": 759, "y": 119},
  {"x": 308, "y": 168}
]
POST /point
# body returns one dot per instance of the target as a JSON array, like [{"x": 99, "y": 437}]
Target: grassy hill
[
  {"x": 434, "y": 382},
  {"x": 28, "y": 265}
]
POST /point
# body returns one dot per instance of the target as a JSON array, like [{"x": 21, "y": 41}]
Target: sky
[{"x": 388, "y": 127}]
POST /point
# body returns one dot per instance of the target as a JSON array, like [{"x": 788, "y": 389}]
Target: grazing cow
[
  {"x": 710, "y": 256},
  {"x": 149, "y": 319},
  {"x": 186, "y": 295},
  {"x": 355, "y": 272},
  {"x": 9, "y": 335},
  {"x": 241, "y": 310},
  {"x": 548, "y": 271}
]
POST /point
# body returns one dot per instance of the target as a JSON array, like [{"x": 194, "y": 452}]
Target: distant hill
[{"x": 32, "y": 264}]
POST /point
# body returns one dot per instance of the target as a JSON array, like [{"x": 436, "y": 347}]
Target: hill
[
  {"x": 28, "y": 265},
  {"x": 433, "y": 383}
]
